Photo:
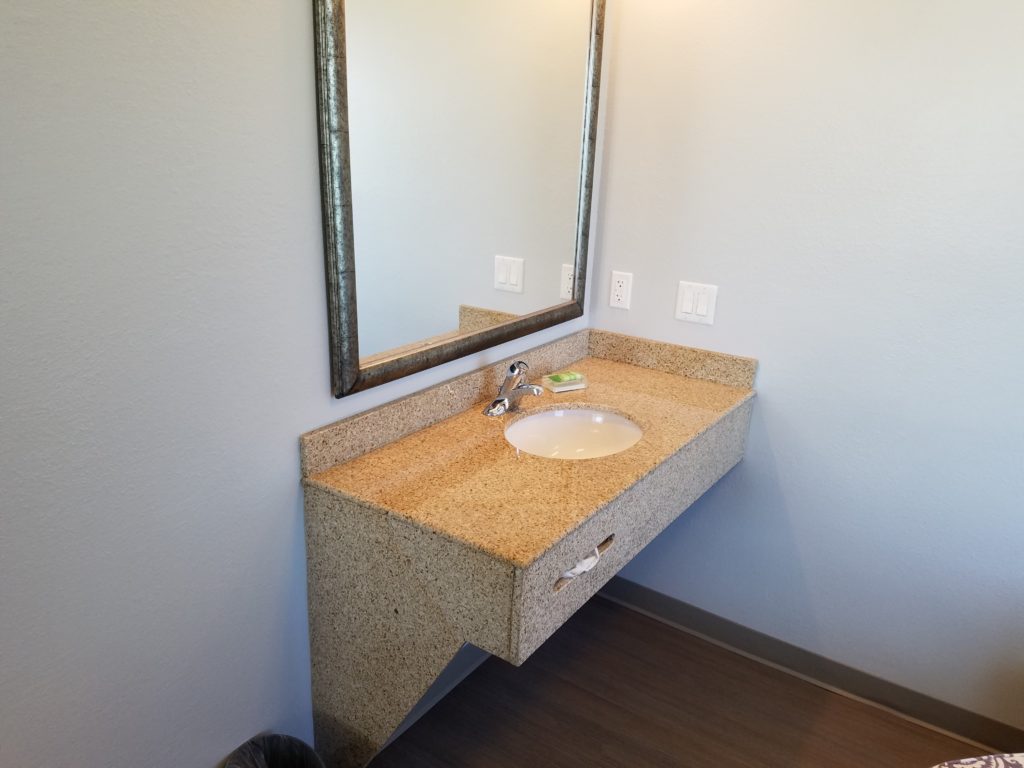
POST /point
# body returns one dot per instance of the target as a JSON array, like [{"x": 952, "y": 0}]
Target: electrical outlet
[
  {"x": 565, "y": 286},
  {"x": 622, "y": 288},
  {"x": 695, "y": 303}
]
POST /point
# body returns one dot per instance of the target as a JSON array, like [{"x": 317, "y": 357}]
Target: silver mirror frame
[{"x": 348, "y": 376}]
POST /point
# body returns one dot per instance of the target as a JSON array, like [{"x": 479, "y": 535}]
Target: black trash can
[{"x": 274, "y": 751}]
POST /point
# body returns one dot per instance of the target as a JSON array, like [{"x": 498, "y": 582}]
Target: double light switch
[
  {"x": 695, "y": 302},
  {"x": 508, "y": 274}
]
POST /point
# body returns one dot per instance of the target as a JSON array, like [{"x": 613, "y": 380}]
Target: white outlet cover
[
  {"x": 621, "y": 290},
  {"x": 695, "y": 302},
  {"x": 565, "y": 286}
]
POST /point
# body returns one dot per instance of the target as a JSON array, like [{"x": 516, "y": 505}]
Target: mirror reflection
[{"x": 465, "y": 126}]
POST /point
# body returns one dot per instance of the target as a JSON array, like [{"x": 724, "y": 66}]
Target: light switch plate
[
  {"x": 509, "y": 274},
  {"x": 695, "y": 302}
]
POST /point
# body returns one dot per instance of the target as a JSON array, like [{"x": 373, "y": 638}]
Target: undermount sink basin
[{"x": 573, "y": 433}]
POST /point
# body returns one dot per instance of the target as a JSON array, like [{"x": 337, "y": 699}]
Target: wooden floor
[{"x": 615, "y": 688}]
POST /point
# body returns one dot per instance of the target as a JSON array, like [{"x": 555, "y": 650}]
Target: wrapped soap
[{"x": 566, "y": 381}]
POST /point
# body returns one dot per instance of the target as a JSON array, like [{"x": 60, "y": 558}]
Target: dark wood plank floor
[{"x": 613, "y": 688}]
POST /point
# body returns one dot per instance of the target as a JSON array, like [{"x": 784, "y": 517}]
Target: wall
[
  {"x": 847, "y": 172},
  {"x": 850, "y": 174},
  {"x": 163, "y": 345}
]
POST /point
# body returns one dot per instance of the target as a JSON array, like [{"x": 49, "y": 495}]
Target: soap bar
[{"x": 566, "y": 381}]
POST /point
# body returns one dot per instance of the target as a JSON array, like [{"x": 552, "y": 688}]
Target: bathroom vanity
[{"x": 426, "y": 529}]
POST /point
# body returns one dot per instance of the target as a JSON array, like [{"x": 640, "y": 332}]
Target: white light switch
[
  {"x": 695, "y": 302},
  {"x": 515, "y": 273},
  {"x": 686, "y": 301},
  {"x": 702, "y": 303},
  {"x": 508, "y": 274}
]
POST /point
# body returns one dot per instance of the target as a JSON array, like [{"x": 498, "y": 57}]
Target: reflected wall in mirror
[
  {"x": 452, "y": 133},
  {"x": 465, "y": 119}
]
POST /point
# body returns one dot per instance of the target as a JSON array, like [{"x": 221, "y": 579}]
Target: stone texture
[
  {"x": 346, "y": 439},
  {"x": 672, "y": 358},
  {"x": 462, "y": 480},
  {"x": 472, "y": 319},
  {"x": 634, "y": 518},
  {"x": 378, "y": 636},
  {"x": 431, "y": 530},
  {"x": 446, "y": 569}
]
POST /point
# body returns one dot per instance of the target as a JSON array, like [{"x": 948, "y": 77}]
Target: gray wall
[
  {"x": 163, "y": 345},
  {"x": 851, "y": 175},
  {"x": 847, "y": 172}
]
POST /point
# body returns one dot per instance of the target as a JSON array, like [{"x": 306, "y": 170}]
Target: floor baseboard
[{"x": 989, "y": 734}]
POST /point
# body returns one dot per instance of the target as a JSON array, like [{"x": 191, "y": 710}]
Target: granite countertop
[{"x": 461, "y": 479}]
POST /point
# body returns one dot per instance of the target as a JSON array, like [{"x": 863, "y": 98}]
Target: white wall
[
  {"x": 851, "y": 174},
  {"x": 163, "y": 345},
  {"x": 465, "y": 125},
  {"x": 847, "y": 172}
]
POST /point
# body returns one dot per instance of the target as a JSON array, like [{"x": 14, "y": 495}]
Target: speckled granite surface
[
  {"x": 342, "y": 440},
  {"x": 473, "y": 319},
  {"x": 425, "y": 529},
  {"x": 671, "y": 358},
  {"x": 461, "y": 479}
]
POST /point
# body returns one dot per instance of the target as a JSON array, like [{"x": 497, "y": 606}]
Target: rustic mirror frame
[{"x": 348, "y": 374}]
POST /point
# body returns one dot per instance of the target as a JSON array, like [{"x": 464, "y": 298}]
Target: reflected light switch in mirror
[
  {"x": 508, "y": 274},
  {"x": 515, "y": 273}
]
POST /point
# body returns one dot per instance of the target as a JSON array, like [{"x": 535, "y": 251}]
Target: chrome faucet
[{"x": 513, "y": 388}]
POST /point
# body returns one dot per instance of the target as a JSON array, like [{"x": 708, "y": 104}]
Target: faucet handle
[{"x": 512, "y": 388}]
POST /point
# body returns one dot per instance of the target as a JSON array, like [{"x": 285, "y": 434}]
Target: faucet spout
[
  {"x": 497, "y": 407},
  {"x": 512, "y": 389}
]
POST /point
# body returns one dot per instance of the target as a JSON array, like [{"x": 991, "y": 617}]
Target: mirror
[{"x": 456, "y": 160}]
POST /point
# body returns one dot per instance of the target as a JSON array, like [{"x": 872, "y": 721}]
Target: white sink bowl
[{"x": 573, "y": 433}]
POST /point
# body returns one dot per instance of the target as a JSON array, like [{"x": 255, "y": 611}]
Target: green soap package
[{"x": 565, "y": 381}]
